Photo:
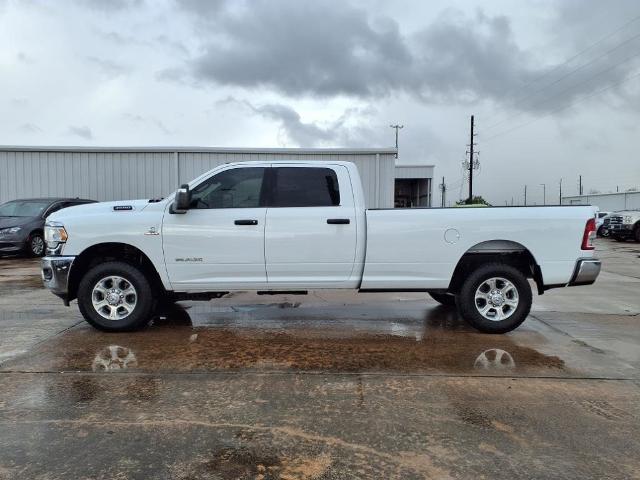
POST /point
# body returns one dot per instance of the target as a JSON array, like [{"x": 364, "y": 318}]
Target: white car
[
  {"x": 600, "y": 220},
  {"x": 296, "y": 226}
]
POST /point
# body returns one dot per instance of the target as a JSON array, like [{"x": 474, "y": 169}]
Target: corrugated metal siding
[
  {"x": 418, "y": 171},
  {"x": 607, "y": 202},
  {"x": 119, "y": 174}
]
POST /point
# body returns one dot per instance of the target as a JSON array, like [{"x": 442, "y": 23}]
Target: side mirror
[{"x": 182, "y": 200}]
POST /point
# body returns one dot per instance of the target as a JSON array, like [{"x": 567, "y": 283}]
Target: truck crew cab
[{"x": 300, "y": 226}]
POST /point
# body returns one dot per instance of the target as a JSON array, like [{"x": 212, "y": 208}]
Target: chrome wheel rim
[
  {"x": 496, "y": 299},
  {"x": 37, "y": 245},
  {"x": 114, "y": 297}
]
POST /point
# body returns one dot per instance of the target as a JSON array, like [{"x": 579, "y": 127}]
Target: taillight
[{"x": 589, "y": 235}]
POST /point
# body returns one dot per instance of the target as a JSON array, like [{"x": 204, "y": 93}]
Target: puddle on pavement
[
  {"x": 440, "y": 343},
  {"x": 11, "y": 285}
]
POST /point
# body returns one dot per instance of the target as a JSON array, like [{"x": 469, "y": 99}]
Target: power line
[
  {"x": 597, "y": 92},
  {"x": 568, "y": 74},
  {"x": 571, "y": 87},
  {"x": 570, "y": 59}
]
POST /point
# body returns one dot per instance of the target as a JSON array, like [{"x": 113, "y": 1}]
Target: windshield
[{"x": 21, "y": 208}]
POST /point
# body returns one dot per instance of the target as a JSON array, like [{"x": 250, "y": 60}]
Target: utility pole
[
  {"x": 471, "y": 144},
  {"x": 397, "y": 127},
  {"x": 560, "y": 203},
  {"x": 525, "y": 195},
  {"x": 544, "y": 193},
  {"x": 580, "y": 185},
  {"x": 443, "y": 190}
]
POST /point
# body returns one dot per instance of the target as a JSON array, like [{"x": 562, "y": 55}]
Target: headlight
[
  {"x": 9, "y": 231},
  {"x": 627, "y": 219},
  {"x": 54, "y": 233}
]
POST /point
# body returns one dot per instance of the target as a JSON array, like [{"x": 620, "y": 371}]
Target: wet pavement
[{"x": 330, "y": 385}]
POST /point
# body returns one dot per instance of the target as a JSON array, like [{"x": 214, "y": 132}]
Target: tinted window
[
  {"x": 235, "y": 188},
  {"x": 21, "y": 208},
  {"x": 306, "y": 187}
]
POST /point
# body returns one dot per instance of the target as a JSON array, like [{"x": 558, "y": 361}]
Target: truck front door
[
  {"x": 310, "y": 237},
  {"x": 219, "y": 242}
]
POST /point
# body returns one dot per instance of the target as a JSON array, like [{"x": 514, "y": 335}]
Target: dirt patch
[{"x": 212, "y": 349}]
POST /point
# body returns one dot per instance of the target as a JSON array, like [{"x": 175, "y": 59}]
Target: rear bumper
[
  {"x": 55, "y": 275},
  {"x": 586, "y": 272}
]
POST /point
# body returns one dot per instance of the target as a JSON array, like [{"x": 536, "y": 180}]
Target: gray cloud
[
  {"x": 19, "y": 102},
  {"x": 110, "y": 5},
  {"x": 30, "y": 128},
  {"x": 82, "y": 132},
  {"x": 315, "y": 49},
  {"x": 106, "y": 67},
  {"x": 139, "y": 119},
  {"x": 346, "y": 130}
]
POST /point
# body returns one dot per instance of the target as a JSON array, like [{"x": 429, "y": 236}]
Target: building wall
[
  {"x": 413, "y": 181},
  {"x": 607, "y": 202},
  {"x": 117, "y": 174}
]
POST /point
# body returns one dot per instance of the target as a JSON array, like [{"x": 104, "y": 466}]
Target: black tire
[
  {"x": 466, "y": 301},
  {"x": 141, "y": 313},
  {"x": 35, "y": 245},
  {"x": 444, "y": 298},
  {"x": 636, "y": 233}
]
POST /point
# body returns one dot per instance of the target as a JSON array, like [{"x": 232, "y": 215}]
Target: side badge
[{"x": 152, "y": 231}]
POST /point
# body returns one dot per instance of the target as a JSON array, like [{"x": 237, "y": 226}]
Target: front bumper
[
  {"x": 586, "y": 272},
  {"x": 55, "y": 275},
  {"x": 11, "y": 246},
  {"x": 620, "y": 229}
]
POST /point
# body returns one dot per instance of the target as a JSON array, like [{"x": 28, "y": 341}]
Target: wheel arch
[
  {"x": 497, "y": 251},
  {"x": 111, "y": 251}
]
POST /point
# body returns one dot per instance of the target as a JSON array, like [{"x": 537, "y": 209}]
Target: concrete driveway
[{"x": 330, "y": 385}]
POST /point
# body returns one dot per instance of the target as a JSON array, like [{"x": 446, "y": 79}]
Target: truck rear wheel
[
  {"x": 444, "y": 298},
  {"x": 495, "y": 298},
  {"x": 115, "y": 296}
]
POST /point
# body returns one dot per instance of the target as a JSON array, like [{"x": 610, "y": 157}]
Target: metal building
[
  {"x": 413, "y": 186},
  {"x": 105, "y": 173},
  {"x": 607, "y": 202}
]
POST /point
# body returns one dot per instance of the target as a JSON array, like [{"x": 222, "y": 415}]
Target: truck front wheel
[
  {"x": 495, "y": 298},
  {"x": 115, "y": 296}
]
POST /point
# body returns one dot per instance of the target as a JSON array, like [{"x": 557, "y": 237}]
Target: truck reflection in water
[
  {"x": 494, "y": 359},
  {"x": 114, "y": 357}
]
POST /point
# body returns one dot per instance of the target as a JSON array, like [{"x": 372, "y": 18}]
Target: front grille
[{"x": 616, "y": 220}]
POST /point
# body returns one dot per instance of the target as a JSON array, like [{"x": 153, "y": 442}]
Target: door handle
[
  {"x": 246, "y": 222},
  {"x": 338, "y": 221}
]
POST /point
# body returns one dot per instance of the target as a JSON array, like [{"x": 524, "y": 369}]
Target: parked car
[
  {"x": 624, "y": 225},
  {"x": 22, "y": 223},
  {"x": 286, "y": 227},
  {"x": 600, "y": 227}
]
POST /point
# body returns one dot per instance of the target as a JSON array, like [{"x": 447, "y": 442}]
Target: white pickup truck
[{"x": 282, "y": 227}]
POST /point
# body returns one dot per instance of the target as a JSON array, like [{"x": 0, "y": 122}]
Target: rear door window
[{"x": 305, "y": 187}]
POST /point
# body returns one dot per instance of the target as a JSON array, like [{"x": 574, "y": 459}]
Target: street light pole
[{"x": 544, "y": 193}]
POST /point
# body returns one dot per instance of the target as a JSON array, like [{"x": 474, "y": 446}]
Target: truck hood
[{"x": 122, "y": 207}]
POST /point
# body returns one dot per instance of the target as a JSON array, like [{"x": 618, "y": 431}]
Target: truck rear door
[{"x": 311, "y": 231}]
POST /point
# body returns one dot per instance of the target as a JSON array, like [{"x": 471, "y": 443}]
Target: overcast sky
[{"x": 554, "y": 84}]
